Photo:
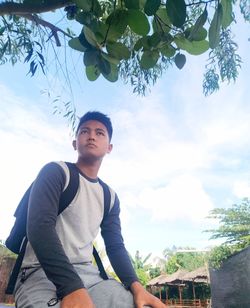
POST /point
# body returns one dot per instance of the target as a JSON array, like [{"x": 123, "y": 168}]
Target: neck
[{"x": 90, "y": 169}]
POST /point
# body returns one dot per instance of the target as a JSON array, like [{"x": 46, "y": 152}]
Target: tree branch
[
  {"x": 12, "y": 8},
  {"x": 46, "y": 24}
]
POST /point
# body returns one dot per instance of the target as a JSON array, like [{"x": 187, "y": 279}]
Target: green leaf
[
  {"x": 180, "y": 60},
  {"x": 118, "y": 51},
  {"x": 113, "y": 75},
  {"x": 151, "y": 7},
  {"x": 227, "y": 10},
  {"x": 161, "y": 22},
  {"x": 198, "y": 26},
  {"x": 149, "y": 59},
  {"x": 84, "y": 18},
  {"x": 118, "y": 21},
  {"x": 92, "y": 72},
  {"x": 198, "y": 35},
  {"x": 194, "y": 47},
  {"x": 96, "y": 8},
  {"x": 132, "y": 4},
  {"x": 154, "y": 39},
  {"x": 177, "y": 11},
  {"x": 138, "y": 22},
  {"x": 90, "y": 57},
  {"x": 90, "y": 37},
  {"x": 168, "y": 51},
  {"x": 143, "y": 42},
  {"x": 214, "y": 29},
  {"x": 76, "y": 44},
  {"x": 85, "y": 5},
  {"x": 110, "y": 59},
  {"x": 103, "y": 65}
]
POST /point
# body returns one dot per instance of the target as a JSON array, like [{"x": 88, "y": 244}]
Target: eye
[
  {"x": 83, "y": 131},
  {"x": 100, "y": 133}
]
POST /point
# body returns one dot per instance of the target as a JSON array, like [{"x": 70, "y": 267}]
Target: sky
[{"x": 177, "y": 154}]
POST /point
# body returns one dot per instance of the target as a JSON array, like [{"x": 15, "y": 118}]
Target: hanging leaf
[
  {"x": 132, "y": 4},
  {"x": 143, "y": 42},
  {"x": 118, "y": 21},
  {"x": 113, "y": 75},
  {"x": 90, "y": 57},
  {"x": 167, "y": 51},
  {"x": 198, "y": 26},
  {"x": 227, "y": 10},
  {"x": 214, "y": 29},
  {"x": 103, "y": 65},
  {"x": 85, "y": 5},
  {"x": 192, "y": 47},
  {"x": 92, "y": 72},
  {"x": 154, "y": 39},
  {"x": 177, "y": 11},
  {"x": 110, "y": 59},
  {"x": 151, "y": 6},
  {"x": 76, "y": 44},
  {"x": 118, "y": 51},
  {"x": 149, "y": 59},
  {"x": 138, "y": 22},
  {"x": 198, "y": 35},
  {"x": 96, "y": 8},
  {"x": 90, "y": 37},
  {"x": 84, "y": 41},
  {"x": 180, "y": 60},
  {"x": 161, "y": 22}
]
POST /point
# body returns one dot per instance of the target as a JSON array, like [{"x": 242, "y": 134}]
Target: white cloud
[
  {"x": 241, "y": 189},
  {"x": 183, "y": 198}
]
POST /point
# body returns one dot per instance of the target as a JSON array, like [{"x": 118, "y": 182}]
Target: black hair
[{"x": 97, "y": 116}]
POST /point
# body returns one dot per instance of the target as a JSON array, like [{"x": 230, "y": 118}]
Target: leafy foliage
[
  {"x": 234, "y": 224},
  {"x": 184, "y": 258},
  {"x": 234, "y": 228},
  {"x": 136, "y": 40}
]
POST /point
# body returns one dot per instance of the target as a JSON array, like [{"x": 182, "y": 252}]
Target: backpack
[{"x": 17, "y": 239}]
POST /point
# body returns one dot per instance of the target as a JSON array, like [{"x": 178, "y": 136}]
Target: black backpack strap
[
  {"x": 69, "y": 193},
  {"x": 16, "y": 269},
  {"x": 66, "y": 198},
  {"x": 107, "y": 198}
]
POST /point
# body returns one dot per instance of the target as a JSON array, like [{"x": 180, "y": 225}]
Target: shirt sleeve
[
  {"x": 41, "y": 222},
  {"x": 115, "y": 248}
]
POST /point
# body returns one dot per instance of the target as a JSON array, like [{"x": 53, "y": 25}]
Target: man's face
[{"x": 92, "y": 141}]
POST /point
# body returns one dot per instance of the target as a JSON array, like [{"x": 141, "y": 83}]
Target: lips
[{"x": 91, "y": 145}]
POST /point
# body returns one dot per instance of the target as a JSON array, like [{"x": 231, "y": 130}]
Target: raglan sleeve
[
  {"x": 41, "y": 232},
  {"x": 115, "y": 248}
]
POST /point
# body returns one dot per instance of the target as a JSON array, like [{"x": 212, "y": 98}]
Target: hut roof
[
  {"x": 157, "y": 280},
  {"x": 175, "y": 276},
  {"x": 198, "y": 275}
]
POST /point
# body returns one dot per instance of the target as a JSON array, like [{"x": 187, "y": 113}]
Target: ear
[
  {"x": 110, "y": 147},
  {"x": 74, "y": 144}
]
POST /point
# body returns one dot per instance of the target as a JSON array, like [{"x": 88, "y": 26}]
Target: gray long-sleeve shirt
[{"x": 58, "y": 242}]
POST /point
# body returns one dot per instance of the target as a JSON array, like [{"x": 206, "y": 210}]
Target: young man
[{"x": 57, "y": 269}]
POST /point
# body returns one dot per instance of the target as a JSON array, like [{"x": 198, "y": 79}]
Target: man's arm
[
  {"x": 120, "y": 261},
  {"x": 41, "y": 232},
  {"x": 116, "y": 251}
]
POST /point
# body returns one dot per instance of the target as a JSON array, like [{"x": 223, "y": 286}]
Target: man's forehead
[{"x": 93, "y": 124}]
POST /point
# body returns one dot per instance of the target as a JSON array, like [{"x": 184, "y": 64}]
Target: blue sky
[{"x": 177, "y": 154}]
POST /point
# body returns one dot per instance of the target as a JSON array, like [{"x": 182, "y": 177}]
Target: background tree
[
  {"x": 136, "y": 40},
  {"x": 234, "y": 229},
  {"x": 234, "y": 225},
  {"x": 141, "y": 267},
  {"x": 183, "y": 258}
]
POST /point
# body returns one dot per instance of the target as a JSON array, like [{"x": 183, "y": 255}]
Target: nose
[{"x": 91, "y": 135}]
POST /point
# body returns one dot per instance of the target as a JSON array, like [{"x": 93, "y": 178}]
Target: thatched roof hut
[{"x": 198, "y": 275}]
